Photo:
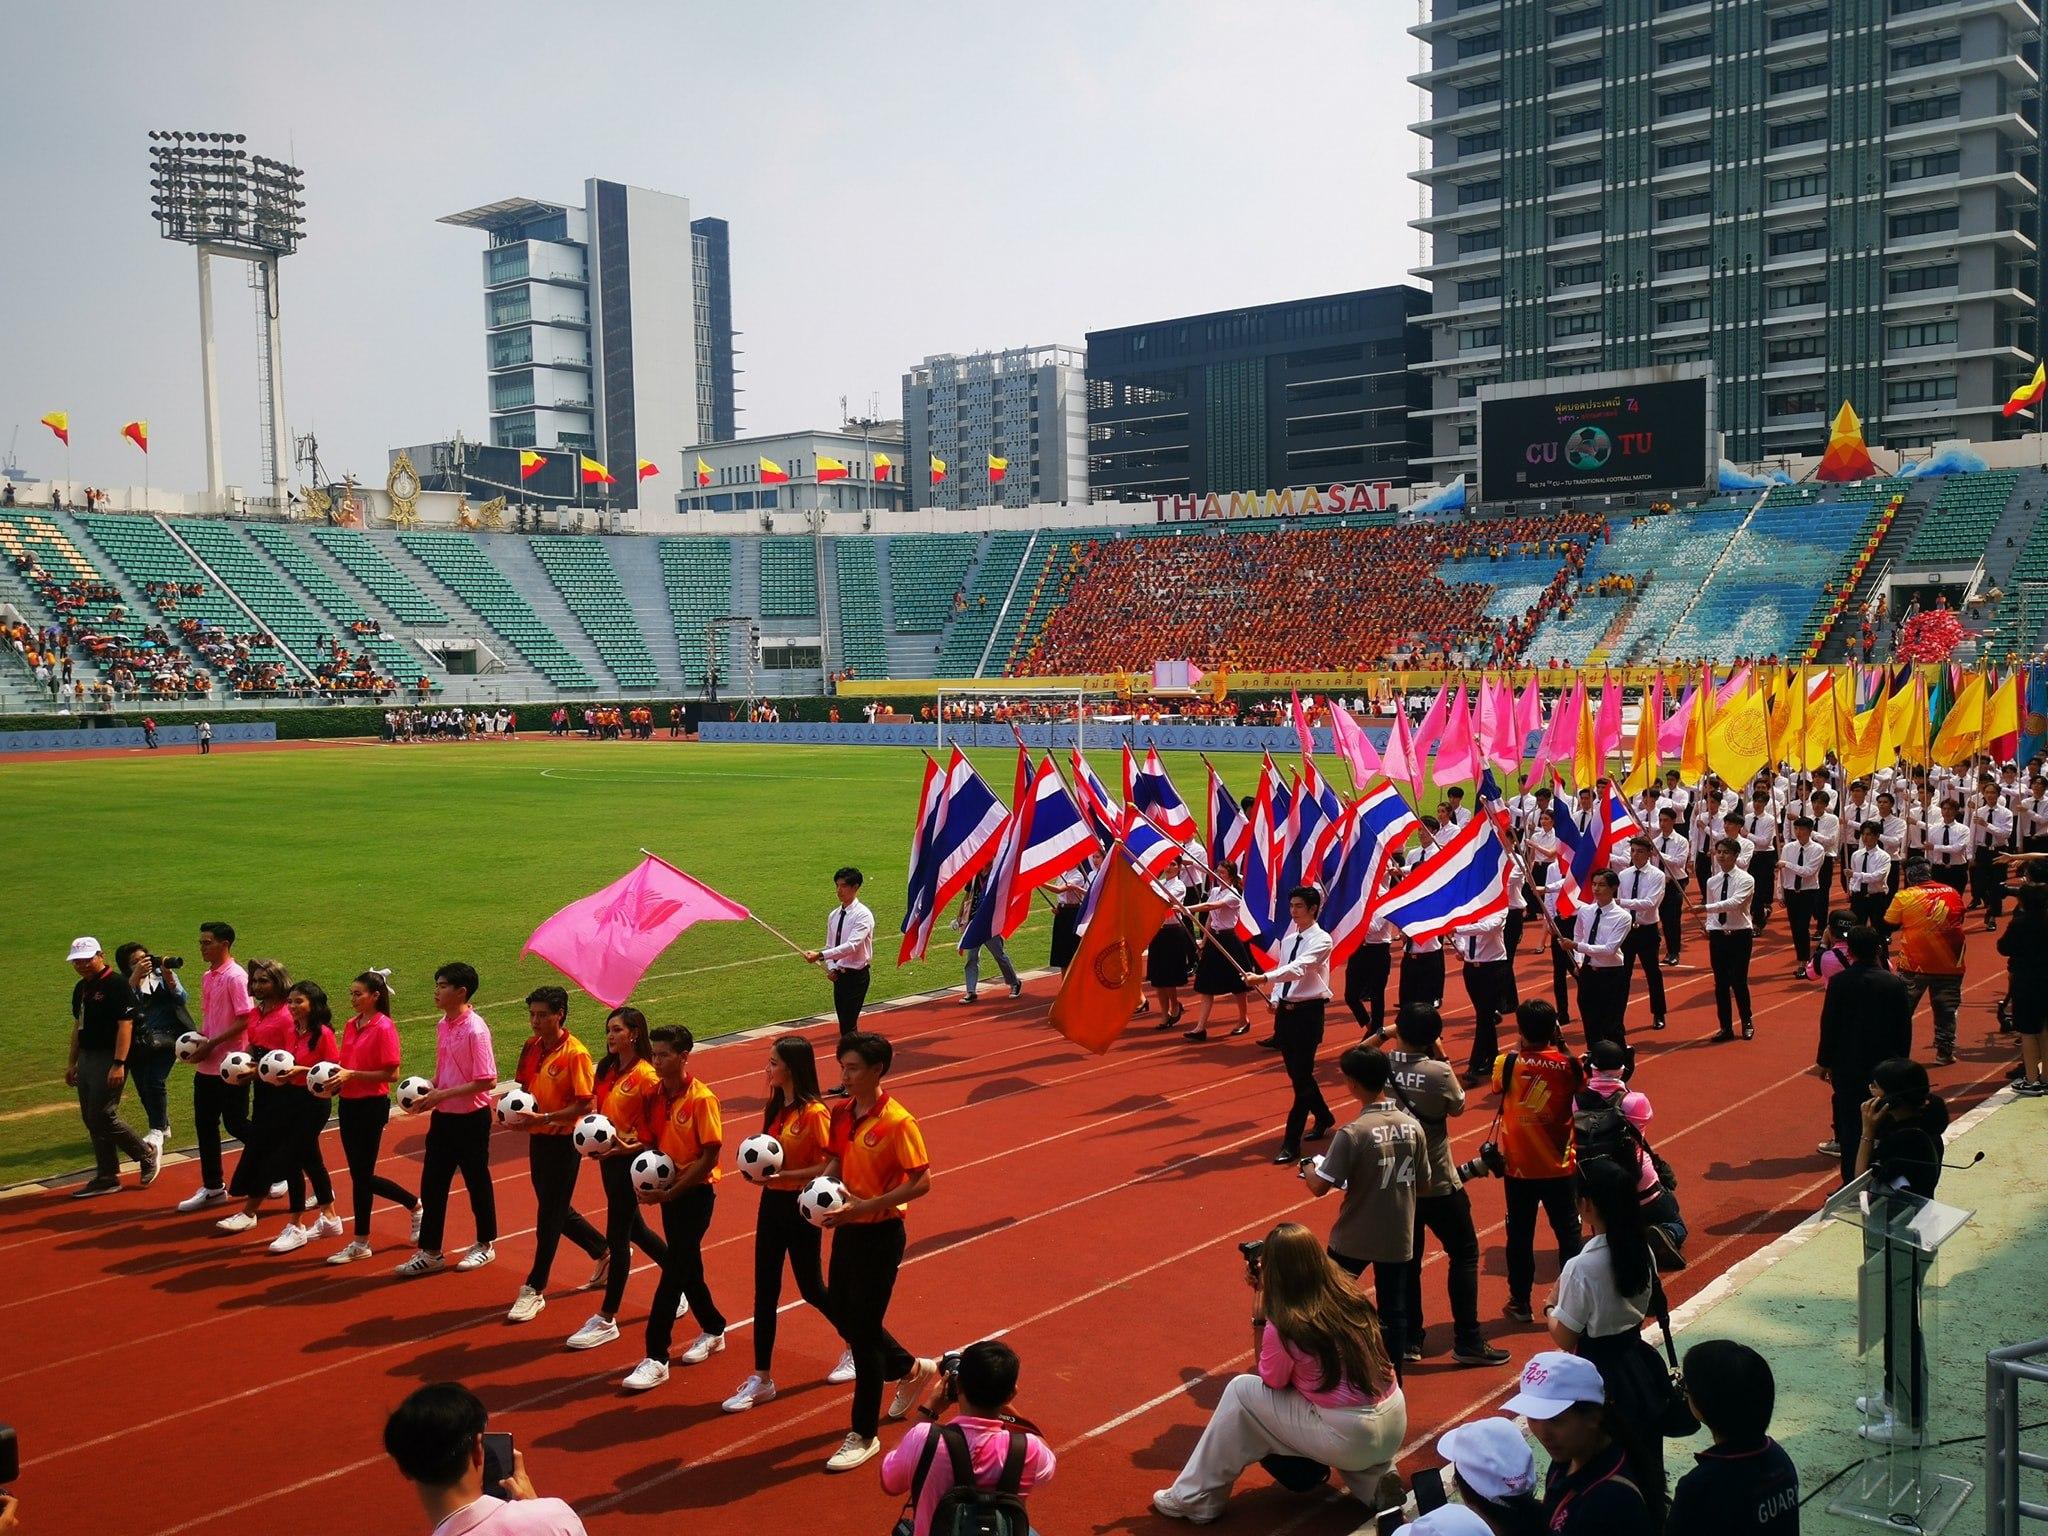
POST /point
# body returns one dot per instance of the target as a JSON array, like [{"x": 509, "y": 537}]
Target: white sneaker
[
  {"x": 755, "y": 1389},
  {"x": 418, "y": 1215},
  {"x": 645, "y": 1376},
  {"x": 155, "y": 1138},
  {"x": 526, "y": 1306},
  {"x": 853, "y": 1452},
  {"x": 291, "y": 1239},
  {"x": 911, "y": 1390},
  {"x": 355, "y": 1250},
  {"x": 421, "y": 1263},
  {"x": 278, "y": 1190},
  {"x": 1873, "y": 1408},
  {"x": 327, "y": 1226},
  {"x": 703, "y": 1347},
  {"x": 477, "y": 1257},
  {"x": 203, "y": 1199},
  {"x": 598, "y": 1330},
  {"x": 602, "y": 1273},
  {"x": 1889, "y": 1432},
  {"x": 842, "y": 1372},
  {"x": 240, "y": 1221},
  {"x": 1163, "y": 1502}
]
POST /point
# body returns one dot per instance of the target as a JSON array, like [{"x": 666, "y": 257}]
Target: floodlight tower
[{"x": 211, "y": 194}]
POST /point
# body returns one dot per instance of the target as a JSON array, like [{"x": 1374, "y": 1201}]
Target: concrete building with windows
[
  {"x": 734, "y": 483},
  {"x": 607, "y": 327},
  {"x": 1027, "y": 405},
  {"x": 1826, "y": 199},
  {"x": 1306, "y": 392}
]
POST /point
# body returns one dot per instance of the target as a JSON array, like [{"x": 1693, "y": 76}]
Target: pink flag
[
  {"x": 1738, "y": 680},
  {"x": 1301, "y": 728},
  {"x": 1607, "y": 722},
  {"x": 1455, "y": 761},
  {"x": 605, "y": 942},
  {"x": 1399, "y": 761},
  {"x": 1499, "y": 737},
  {"x": 1528, "y": 712},
  {"x": 1560, "y": 743},
  {"x": 1433, "y": 719},
  {"x": 1671, "y": 734},
  {"x": 1353, "y": 745}
]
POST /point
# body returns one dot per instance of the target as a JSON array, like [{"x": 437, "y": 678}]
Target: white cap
[
  {"x": 1492, "y": 1456},
  {"x": 84, "y": 949},
  {"x": 1449, "y": 1520},
  {"x": 1552, "y": 1382}
]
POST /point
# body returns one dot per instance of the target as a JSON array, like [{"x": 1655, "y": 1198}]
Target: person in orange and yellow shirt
[
  {"x": 877, "y": 1151},
  {"x": 1537, "y": 1158},
  {"x": 1926, "y": 922},
  {"x": 554, "y": 1066},
  {"x": 691, "y": 1130},
  {"x": 797, "y": 1118},
  {"x": 625, "y": 1090}
]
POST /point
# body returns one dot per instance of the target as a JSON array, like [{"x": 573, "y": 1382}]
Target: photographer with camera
[
  {"x": 468, "y": 1480},
  {"x": 102, "y": 1028},
  {"x": 162, "y": 1016},
  {"x": 1325, "y": 1392},
  {"x": 991, "y": 1458},
  {"x": 1531, "y": 1148}
]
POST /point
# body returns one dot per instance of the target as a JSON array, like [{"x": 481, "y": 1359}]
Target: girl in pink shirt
[
  {"x": 270, "y": 1029},
  {"x": 369, "y": 1059},
  {"x": 306, "y": 1112}
]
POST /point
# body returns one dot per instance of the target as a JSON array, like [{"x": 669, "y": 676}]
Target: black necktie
[
  {"x": 1635, "y": 888},
  {"x": 838, "y": 926},
  {"x": 1725, "y": 878},
  {"x": 1285, "y": 986}
]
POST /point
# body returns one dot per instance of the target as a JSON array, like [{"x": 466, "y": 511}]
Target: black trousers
[
  {"x": 1670, "y": 919},
  {"x": 362, "y": 1137},
  {"x": 1300, "y": 1028},
  {"x": 1389, "y": 1295},
  {"x": 1644, "y": 946},
  {"x": 1450, "y": 1218},
  {"x": 1847, "y": 1119},
  {"x": 625, "y": 1228},
  {"x": 1869, "y": 907},
  {"x": 1422, "y": 978},
  {"x": 1985, "y": 884},
  {"x": 1805, "y": 911},
  {"x": 1557, "y": 1199},
  {"x": 1065, "y": 940},
  {"x": 1511, "y": 929},
  {"x": 1490, "y": 985},
  {"x": 457, "y": 1141},
  {"x": 684, "y": 1221},
  {"x": 217, "y": 1104},
  {"x": 1763, "y": 869},
  {"x": 1827, "y": 884},
  {"x": 1729, "y": 953},
  {"x": 1561, "y": 980},
  {"x": 553, "y": 1164},
  {"x": 865, "y": 1258},
  {"x": 1365, "y": 983},
  {"x": 780, "y": 1232},
  {"x": 298, "y": 1158},
  {"x": 1955, "y": 876},
  {"x": 1603, "y": 1002},
  {"x": 263, "y": 1138},
  {"x": 849, "y": 991}
]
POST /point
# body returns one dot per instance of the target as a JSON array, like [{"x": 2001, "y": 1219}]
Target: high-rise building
[
  {"x": 1027, "y": 406},
  {"x": 607, "y": 328},
  {"x": 1824, "y": 199},
  {"x": 1306, "y": 392}
]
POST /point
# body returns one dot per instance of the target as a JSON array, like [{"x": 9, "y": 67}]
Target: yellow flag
[
  {"x": 1738, "y": 742},
  {"x": 1586, "y": 764},
  {"x": 1960, "y": 733},
  {"x": 1821, "y": 735},
  {"x": 2002, "y": 712},
  {"x": 1787, "y": 718},
  {"x": 1859, "y": 753},
  {"x": 1643, "y": 765},
  {"x": 1905, "y": 726}
]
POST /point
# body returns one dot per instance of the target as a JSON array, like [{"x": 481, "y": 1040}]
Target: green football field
[{"x": 334, "y": 860}]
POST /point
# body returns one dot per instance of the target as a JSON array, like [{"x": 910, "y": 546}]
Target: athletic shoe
[
  {"x": 526, "y": 1305},
  {"x": 968, "y": 997},
  {"x": 703, "y": 1347},
  {"x": 602, "y": 1273},
  {"x": 853, "y": 1452},
  {"x": 1873, "y": 1408},
  {"x": 419, "y": 1215},
  {"x": 1945, "y": 1058},
  {"x": 2030, "y": 1088},
  {"x": 1016, "y": 989},
  {"x": 755, "y": 1389},
  {"x": 421, "y": 1263},
  {"x": 203, "y": 1199},
  {"x": 152, "y": 1163},
  {"x": 598, "y": 1330},
  {"x": 1664, "y": 1250},
  {"x": 327, "y": 1226},
  {"x": 291, "y": 1239},
  {"x": 843, "y": 1372},
  {"x": 240, "y": 1221},
  {"x": 355, "y": 1250},
  {"x": 1479, "y": 1352},
  {"x": 1411, "y": 1354},
  {"x": 1829, "y": 1148},
  {"x": 477, "y": 1257},
  {"x": 279, "y": 1190},
  {"x": 1517, "y": 1312},
  {"x": 154, "y": 1138},
  {"x": 911, "y": 1390},
  {"x": 1164, "y": 1503},
  {"x": 1888, "y": 1432},
  {"x": 92, "y": 1187},
  {"x": 645, "y": 1376}
]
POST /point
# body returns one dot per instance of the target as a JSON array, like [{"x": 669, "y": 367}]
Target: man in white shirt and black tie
[
  {"x": 1299, "y": 989},
  {"x": 849, "y": 951},
  {"x": 1827, "y": 831},
  {"x": 1489, "y": 978},
  {"x": 1674, "y": 853},
  {"x": 1893, "y": 832},
  {"x": 1801, "y": 871},
  {"x": 2033, "y": 816},
  {"x": 1761, "y": 828},
  {"x": 1948, "y": 846},
  {"x": 1642, "y": 894},
  {"x": 1869, "y": 873},
  {"x": 1598, "y": 931},
  {"x": 1725, "y": 901},
  {"x": 1993, "y": 831}
]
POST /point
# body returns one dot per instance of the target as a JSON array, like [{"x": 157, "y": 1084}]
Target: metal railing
[{"x": 2004, "y": 1370}]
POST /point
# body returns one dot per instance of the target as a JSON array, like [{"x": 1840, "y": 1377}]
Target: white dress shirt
[
  {"x": 1480, "y": 942},
  {"x": 1827, "y": 831},
  {"x": 1597, "y": 932},
  {"x": 1891, "y": 836},
  {"x": 1303, "y": 973},
  {"x": 1991, "y": 826},
  {"x": 850, "y": 937},
  {"x": 1799, "y": 865},
  {"x": 1641, "y": 892},
  {"x": 1223, "y": 916},
  {"x": 1676, "y": 854},
  {"x": 1726, "y": 899},
  {"x": 2034, "y": 816},
  {"x": 1763, "y": 830},
  {"x": 1948, "y": 844},
  {"x": 1870, "y": 870}
]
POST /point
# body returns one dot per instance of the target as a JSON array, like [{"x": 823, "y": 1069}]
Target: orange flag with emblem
[{"x": 1106, "y": 978}]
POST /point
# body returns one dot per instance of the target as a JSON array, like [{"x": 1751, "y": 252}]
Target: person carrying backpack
[
  {"x": 971, "y": 1472},
  {"x": 1607, "y": 1123}
]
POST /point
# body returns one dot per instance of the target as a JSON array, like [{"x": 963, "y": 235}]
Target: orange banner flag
[{"x": 1106, "y": 978}]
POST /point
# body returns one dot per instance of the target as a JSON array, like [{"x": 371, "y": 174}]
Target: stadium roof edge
[{"x": 506, "y": 213}]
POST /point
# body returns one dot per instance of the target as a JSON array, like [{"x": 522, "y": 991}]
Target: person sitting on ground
[
  {"x": 1492, "y": 1473},
  {"x": 1744, "y": 1482},
  {"x": 437, "y": 1438},
  {"x": 1597, "y": 1484},
  {"x": 981, "y": 1385}
]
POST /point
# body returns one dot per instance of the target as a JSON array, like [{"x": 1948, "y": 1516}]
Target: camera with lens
[
  {"x": 1489, "y": 1164},
  {"x": 1254, "y": 1256},
  {"x": 949, "y": 1365},
  {"x": 168, "y": 962}
]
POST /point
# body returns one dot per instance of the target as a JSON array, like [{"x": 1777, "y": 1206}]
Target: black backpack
[
  {"x": 1601, "y": 1130},
  {"x": 964, "y": 1509}
]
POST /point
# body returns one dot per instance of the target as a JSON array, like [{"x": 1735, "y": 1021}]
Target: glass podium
[{"x": 1897, "y": 1306}]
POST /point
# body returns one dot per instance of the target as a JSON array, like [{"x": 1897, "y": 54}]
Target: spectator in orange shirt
[
  {"x": 1926, "y": 921},
  {"x": 1536, "y": 1156}
]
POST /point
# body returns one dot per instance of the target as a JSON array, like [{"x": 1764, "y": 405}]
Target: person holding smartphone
[{"x": 468, "y": 1479}]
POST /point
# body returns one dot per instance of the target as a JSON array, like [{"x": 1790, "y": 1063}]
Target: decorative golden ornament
[
  {"x": 402, "y": 485},
  {"x": 463, "y": 516},
  {"x": 492, "y": 513},
  {"x": 313, "y": 503}
]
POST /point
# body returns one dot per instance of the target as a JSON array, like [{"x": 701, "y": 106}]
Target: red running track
[{"x": 166, "y": 1378}]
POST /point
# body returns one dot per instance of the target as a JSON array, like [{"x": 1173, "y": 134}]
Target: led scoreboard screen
[{"x": 1644, "y": 437}]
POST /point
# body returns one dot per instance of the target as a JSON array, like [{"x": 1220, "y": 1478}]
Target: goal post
[{"x": 981, "y": 717}]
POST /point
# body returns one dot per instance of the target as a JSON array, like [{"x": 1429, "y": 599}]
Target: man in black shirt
[
  {"x": 102, "y": 1024},
  {"x": 1866, "y": 1017},
  {"x": 1744, "y": 1484}
]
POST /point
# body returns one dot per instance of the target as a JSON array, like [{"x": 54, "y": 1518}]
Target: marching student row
[{"x": 643, "y": 1087}]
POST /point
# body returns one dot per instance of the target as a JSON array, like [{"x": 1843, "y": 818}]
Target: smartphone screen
[
  {"x": 10, "y": 1456},
  {"x": 1388, "y": 1523},
  {"x": 497, "y": 1463},
  {"x": 1428, "y": 1488}
]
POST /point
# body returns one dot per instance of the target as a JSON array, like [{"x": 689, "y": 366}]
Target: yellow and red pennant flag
[
  {"x": 531, "y": 463},
  {"x": 137, "y": 432},
  {"x": 1846, "y": 458},
  {"x": 883, "y": 465},
  {"x": 703, "y": 471},
  {"x": 1738, "y": 742},
  {"x": 2028, "y": 394},
  {"x": 772, "y": 473},
  {"x": 831, "y": 469},
  {"x": 648, "y": 467},
  {"x": 594, "y": 473},
  {"x": 2002, "y": 719},
  {"x": 938, "y": 469},
  {"x": 997, "y": 468},
  {"x": 59, "y": 422}
]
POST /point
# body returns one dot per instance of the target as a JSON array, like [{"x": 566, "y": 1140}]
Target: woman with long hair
[
  {"x": 369, "y": 1063},
  {"x": 299, "y": 1157},
  {"x": 625, "y": 1093},
  {"x": 1324, "y": 1394},
  {"x": 1223, "y": 957},
  {"x": 797, "y": 1118},
  {"x": 1600, "y": 1481},
  {"x": 271, "y": 1028}
]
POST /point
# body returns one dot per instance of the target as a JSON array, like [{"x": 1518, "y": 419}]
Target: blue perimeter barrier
[
  {"x": 1109, "y": 734},
  {"x": 109, "y": 738}
]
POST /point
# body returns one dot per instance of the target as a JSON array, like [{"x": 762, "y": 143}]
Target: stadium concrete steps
[
  {"x": 909, "y": 655},
  {"x": 2009, "y": 535},
  {"x": 514, "y": 556},
  {"x": 1897, "y": 540},
  {"x": 638, "y": 562},
  {"x": 132, "y": 598},
  {"x": 463, "y": 621},
  {"x": 343, "y": 577}
]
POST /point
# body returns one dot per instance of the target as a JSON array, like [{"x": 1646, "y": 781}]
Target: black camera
[
  {"x": 1489, "y": 1164},
  {"x": 949, "y": 1365},
  {"x": 1254, "y": 1256},
  {"x": 168, "y": 962}
]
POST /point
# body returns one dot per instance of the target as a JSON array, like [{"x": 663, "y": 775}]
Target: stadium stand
[
  {"x": 975, "y": 615},
  {"x": 220, "y": 633},
  {"x": 789, "y": 579},
  {"x": 364, "y": 561},
  {"x": 583, "y": 573},
  {"x": 297, "y": 562},
  {"x": 926, "y": 574},
  {"x": 73, "y": 590},
  {"x": 863, "y": 641},
  {"x": 697, "y": 575},
  {"x": 1048, "y": 577},
  {"x": 456, "y": 560},
  {"x": 1965, "y": 510}
]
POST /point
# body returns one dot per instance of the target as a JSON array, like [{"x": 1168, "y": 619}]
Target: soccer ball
[
  {"x": 325, "y": 1078},
  {"x": 822, "y": 1197},
  {"x": 653, "y": 1172},
  {"x": 412, "y": 1090},
  {"x": 760, "y": 1158},
  {"x": 191, "y": 1045},
  {"x": 1587, "y": 448},
  {"x": 237, "y": 1067},
  {"x": 517, "y": 1101},
  {"x": 594, "y": 1134},
  {"x": 276, "y": 1067}
]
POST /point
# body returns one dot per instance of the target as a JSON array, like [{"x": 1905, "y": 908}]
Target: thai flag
[
  {"x": 1464, "y": 881},
  {"x": 1316, "y": 811},
  {"x": 1145, "y": 848},
  {"x": 1226, "y": 821},
  {"x": 986, "y": 918},
  {"x": 1055, "y": 839},
  {"x": 1372, "y": 833},
  {"x": 1579, "y": 846},
  {"x": 1104, "y": 815},
  {"x": 1255, "y": 912},
  {"x": 1153, "y": 793},
  {"x": 970, "y": 823},
  {"x": 1617, "y": 828},
  {"x": 918, "y": 902}
]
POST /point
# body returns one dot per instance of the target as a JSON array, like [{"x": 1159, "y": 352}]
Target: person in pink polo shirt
[
  {"x": 980, "y": 1382},
  {"x": 369, "y": 1062},
  {"x": 225, "y": 1010},
  {"x": 459, "y": 1135},
  {"x": 437, "y": 1438}
]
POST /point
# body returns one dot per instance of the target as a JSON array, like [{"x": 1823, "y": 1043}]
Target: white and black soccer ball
[
  {"x": 276, "y": 1067},
  {"x": 191, "y": 1045},
  {"x": 653, "y": 1172},
  {"x": 593, "y": 1135},
  {"x": 514, "y": 1103},
  {"x": 325, "y": 1078},
  {"x": 412, "y": 1090},
  {"x": 823, "y": 1197},
  {"x": 237, "y": 1067},
  {"x": 760, "y": 1158}
]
